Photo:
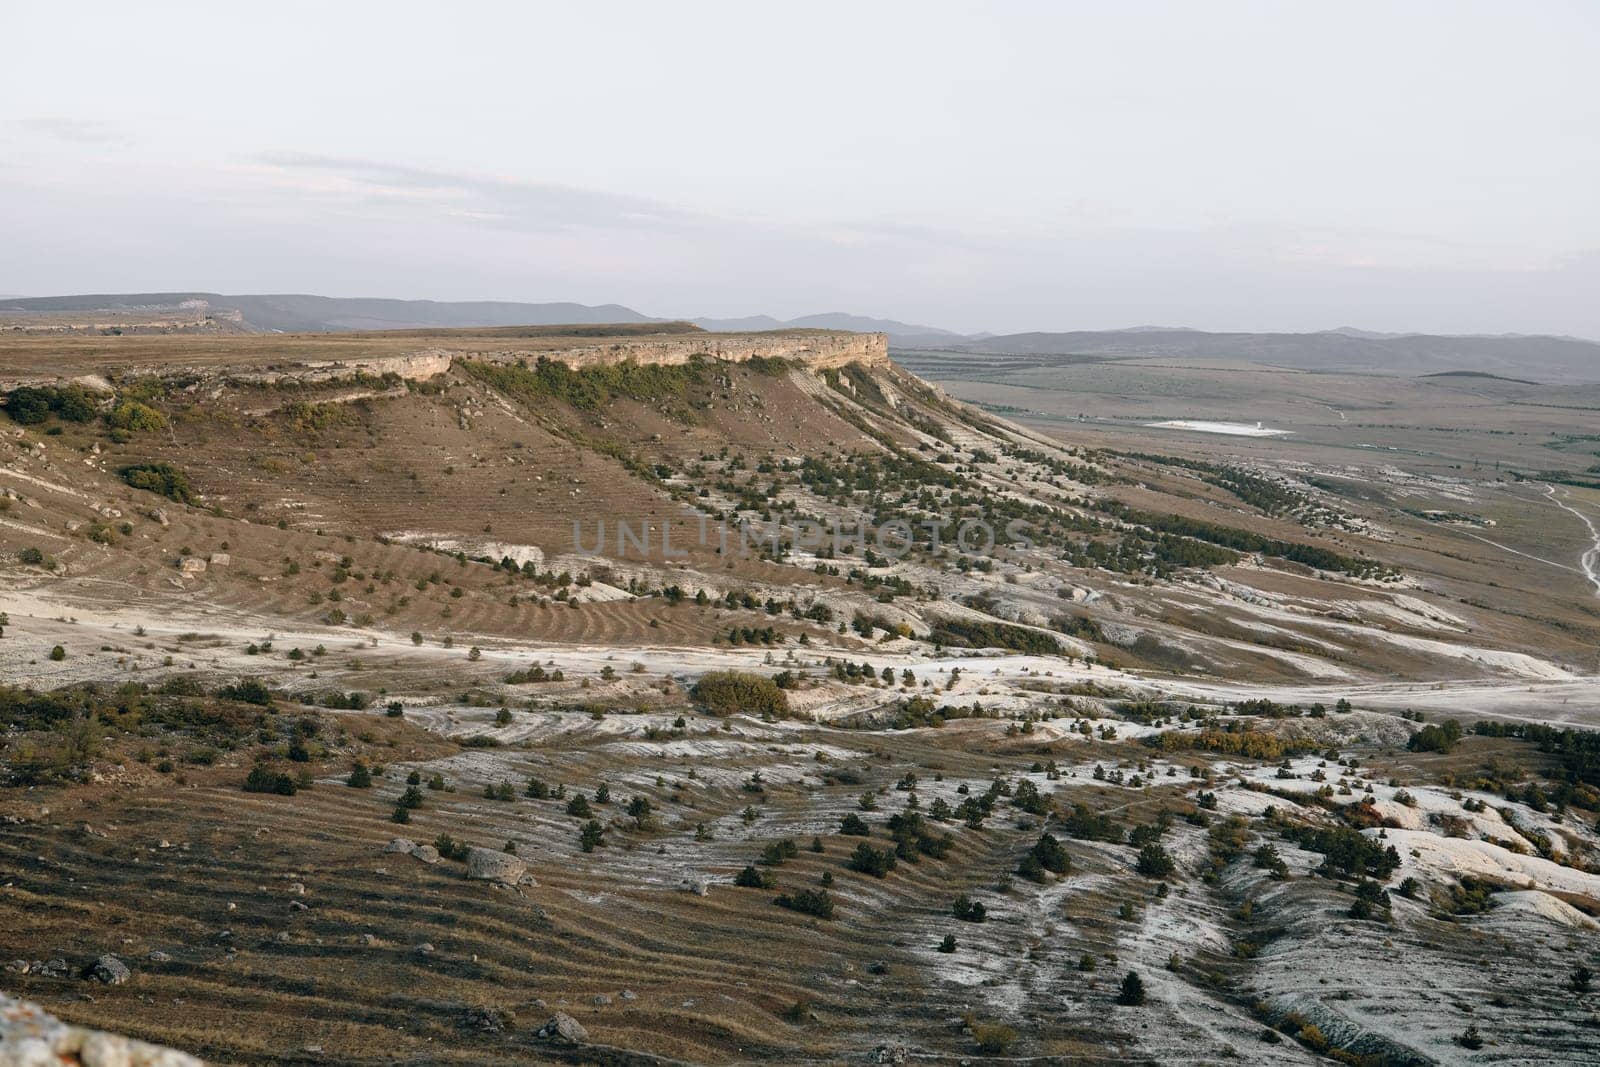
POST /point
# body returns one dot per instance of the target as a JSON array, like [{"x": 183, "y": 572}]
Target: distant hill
[
  {"x": 304, "y": 313},
  {"x": 900, "y": 333},
  {"x": 1349, "y": 350},
  {"x": 299, "y": 313}
]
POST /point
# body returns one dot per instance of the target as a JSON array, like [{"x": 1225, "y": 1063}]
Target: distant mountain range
[
  {"x": 297, "y": 313},
  {"x": 900, "y": 333},
  {"x": 1343, "y": 349},
  {"x": 1346, "y": 349}
]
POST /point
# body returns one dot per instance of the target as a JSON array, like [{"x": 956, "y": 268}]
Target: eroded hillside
[{"x": 825, "y": 716}]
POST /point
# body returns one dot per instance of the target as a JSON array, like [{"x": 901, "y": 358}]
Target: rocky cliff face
[
  {"x": 818, "y": 349},
  {"x": 815, "y": 349}
]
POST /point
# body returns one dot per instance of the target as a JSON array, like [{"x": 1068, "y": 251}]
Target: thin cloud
[
  {"x": 502, "y": 202},
  {"x": 75, "y": 131}
]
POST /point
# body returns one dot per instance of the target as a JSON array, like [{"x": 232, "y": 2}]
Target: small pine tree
[
  {"x": 1131, "y": 994},
  {"x": 948, "y": 944},
  {"x": 360, "y": 777}
]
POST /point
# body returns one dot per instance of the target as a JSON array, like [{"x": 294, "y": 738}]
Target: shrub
[
  {"x": 263, "y": 779},
  {"x": 854, "y": 825},
  {"x": 1440, "y": 738},
  {"x": 58, "y": 653},
  {"x": 246, "y": 691},
  {"x": 28, "y": 406},
  {"x": 753, "y": 877},
  {"x": 133, "y": 417},
  {"x": 816, "y": 902},
  {"x": 160, "y": 478},
  {"x": 360, "y": 777},
  {"x": 1046, "y": 855},
  {"x": 874, "y": 861},
  {"x": 728, "y": 692},
  {"x": 1154, "y": 862},
  {"x": 451, "y": 849},
  {"x": 777, "y": 853},
  {"x": 968, "y": 910},
  {"x": 993, "y": 1038}
]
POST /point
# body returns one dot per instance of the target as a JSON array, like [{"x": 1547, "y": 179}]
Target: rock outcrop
[
  {"x": 32, "y": 1037},
  {"x": 563, "y": 1029},
  {"x": 487, "y": 865}
]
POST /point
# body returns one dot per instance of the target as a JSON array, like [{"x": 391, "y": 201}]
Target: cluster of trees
[
  {"x": 1577, "y": 751},
  {"x": 1235, "y": 740},
  {"x": 1347, "y": 852},
  {"x": 1229, "y": 537},
  {"x": 1440, "y": 738},
  {"x": 1046, "y": 855},
  {"x": 972, "y": 633},
  {"x": 592, "y": 388},
  {"x": 729, "y": 692},
  {"x": 32, "y": 405}
]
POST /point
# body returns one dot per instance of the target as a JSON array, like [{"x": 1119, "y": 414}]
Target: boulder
[
  {"x": 426, "y": 853},
  {"x": 563, "y": 1029},
  {"x": 109, "y": 970},
  {"x": 400, "y": 844},
  {"x": 31, "y": 1037},
  {"x": 487, "y": 865}
]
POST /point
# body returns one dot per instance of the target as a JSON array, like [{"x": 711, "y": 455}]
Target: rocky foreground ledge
[{"x": 32, "y": 1037}]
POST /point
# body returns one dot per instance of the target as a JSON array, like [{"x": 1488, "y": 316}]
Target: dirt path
[{"x": 1590, "y": 560}]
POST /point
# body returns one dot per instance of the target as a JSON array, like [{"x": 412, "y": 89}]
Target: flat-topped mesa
[
  {"x": 816, "y": 349},
  {"x": 418, "y": 354}
]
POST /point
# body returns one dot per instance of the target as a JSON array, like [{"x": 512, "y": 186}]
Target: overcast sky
[{"x": 995, "y": 166}]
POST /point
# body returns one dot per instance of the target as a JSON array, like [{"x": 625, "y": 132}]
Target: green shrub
[
  {"x": 246, "y": 691},
  {"x": 968, "y": 910},
  {"x": 130, "y": 416},
  {"x": 1154, "y": 862},
  {"x": 34, "y": 558},
  {"x": 753, "y": 877},
  {"x": 816, "y": 902},
  {"x": 161, "y": 478},
  {"x": 28, "y": 406},
  {"x": 874, "y": 861},
  {"x": 728, "y": 692},
  {"x": 263, "y": 779}
]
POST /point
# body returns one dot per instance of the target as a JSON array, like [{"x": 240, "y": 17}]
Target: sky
[{"x": 1001, "y": 166}]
